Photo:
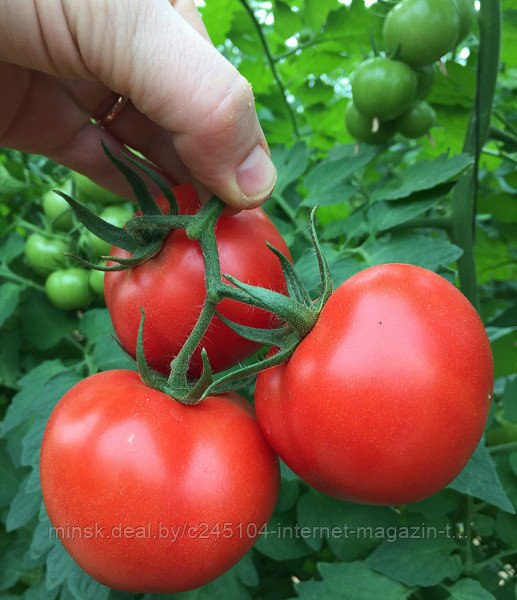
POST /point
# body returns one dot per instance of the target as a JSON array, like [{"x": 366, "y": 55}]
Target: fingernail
[{"x": 256, "y": 176}]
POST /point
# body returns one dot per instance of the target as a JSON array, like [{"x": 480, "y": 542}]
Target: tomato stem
[{"x": 463, "y": 204}]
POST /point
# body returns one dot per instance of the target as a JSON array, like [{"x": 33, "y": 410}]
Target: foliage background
[{"x": 377, "y": 206}]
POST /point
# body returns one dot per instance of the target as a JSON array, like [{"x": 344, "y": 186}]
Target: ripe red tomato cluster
[{"x": 383, "y": 402}]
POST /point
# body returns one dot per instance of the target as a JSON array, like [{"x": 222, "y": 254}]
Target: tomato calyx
[
  {"x": 143, "y": 237},
  {"x": 297, "y": 312}
]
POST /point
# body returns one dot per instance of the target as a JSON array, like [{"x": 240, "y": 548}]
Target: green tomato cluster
[
  {"x": 69, "y": 287},
  {"x": 389, "y": 93}
]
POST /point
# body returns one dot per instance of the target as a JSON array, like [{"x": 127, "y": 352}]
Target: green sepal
[
  {"x": 327, "y": 286},
  {"x": 139, "y": 257},
  {"x": 268, "y": 337},
  {"x": 156, "y": 225},
  {"x": 231, "y": 384},
  {"x": 117, "y": 236},
  {"x": 174, "y": 208},
  {"x": 373, "y": 43},
  {"x": 238, "y": 375},
  {"x": 142, "y": 193},
  {"x": 196, "y": 392},
  {"x": 148, "y": 376},
  {"x": 295, "y": 286},
  {"x": 301, "y": 317},
  {"x": 91, "y": 265}
]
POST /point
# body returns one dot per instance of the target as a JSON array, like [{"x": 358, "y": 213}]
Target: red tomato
[
  {"x": 163, "y": 497},
  {"x": 385, "y": 400},
  {"x": 171, "y": 289}
]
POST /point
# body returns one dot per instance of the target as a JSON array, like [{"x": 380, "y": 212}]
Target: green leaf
[
  {"x": 217, "y": 17},
  {"x": 506, "y": 528},
  {"x": 290, "y": 164},
  {"x": 479, "y": 478},
  {"x": 280, "y": 540},
  {"x": 10, "y": 364},
  {"x": 411, "y": 248},
  {"x": 352, "y": 530},
  {"x": 385, "y": 215},
  {"x": 469, "y": 589},
  {"x": 95, "y": 324},
  {"x": 287, "y": 21},
  {"x": 316, "y": 12},
  {"x": 483, "y": 524},
  {"x": 510, "y": 401},
  {"x": 42, "y": 541},
  {"x": 9, "y": 478},
  {"x": 354, "y": 580},
  {"x": 433, "y": 546},
  {"x": 326, "y": 182},
  {"x": 107, "y": 354},
  {"x": 437, "y": 505},
  {"x": 9, "y": 296},
  {"x": 21, "y": 407},
  {"x": 457, "y": 89},
  {"x": 504, "y": 349},
  {"x": 43, "y": 324},
  {"x": 423, "y": 175},
  {"x": 23, "y": 507},
  {"x": 12, "y": 564},
  {"x": 11, "y": 247}
]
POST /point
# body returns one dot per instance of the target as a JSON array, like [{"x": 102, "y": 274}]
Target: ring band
[{"x": 111, "y": 114}]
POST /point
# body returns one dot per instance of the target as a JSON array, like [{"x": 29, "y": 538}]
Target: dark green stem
[
  {"x": 469, "y": 557},
  {"x": 503, "y": 554},
  {"x": 503, "y": 447},
  {"x": 272, "y": 65},
  {"x": 463, "y": 205},
  {"x": 8, "y": 274},
  {"x": 502, "y": 136},
  {"x": 201, "y": 228},
  {"x": 429, "y": 222},
  {"x": 500, "y": 154}
]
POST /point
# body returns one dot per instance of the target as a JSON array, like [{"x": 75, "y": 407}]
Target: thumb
[{"x": 147, "y": 51}]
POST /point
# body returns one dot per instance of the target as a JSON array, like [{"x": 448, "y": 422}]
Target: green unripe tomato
[
  {"x": 117, "y": 215},
  {"x": 88, "y": 191},
  {"x": 383, "y": 88},
  {"x": 424, "y": 81},
  {"x": 69, "y": 288},
  {"x": 360, "y": 128},
  {"x": 96, "y": 281},
  {"x": 418, "y": 121},
  {"x": 421, "y": 31},
  {"x": 56, "y": 208},
  {"x": 467, "y": 16},
  {"x": 45, "y": 254}
]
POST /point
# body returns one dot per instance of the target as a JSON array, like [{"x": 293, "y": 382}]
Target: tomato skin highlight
[
  {"x": 385, "y": 400},
  {"x": 171, "y": 289},
  {"x": 120, "y": 454}
]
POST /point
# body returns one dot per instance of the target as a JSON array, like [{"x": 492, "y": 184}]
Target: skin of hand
[{"x": 190, "y": 112}]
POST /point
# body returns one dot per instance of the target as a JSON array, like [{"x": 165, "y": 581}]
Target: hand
[{"x": 190, "y": 112}]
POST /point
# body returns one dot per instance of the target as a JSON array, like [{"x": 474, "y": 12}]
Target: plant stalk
[{"x": 463, "y": 206}]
